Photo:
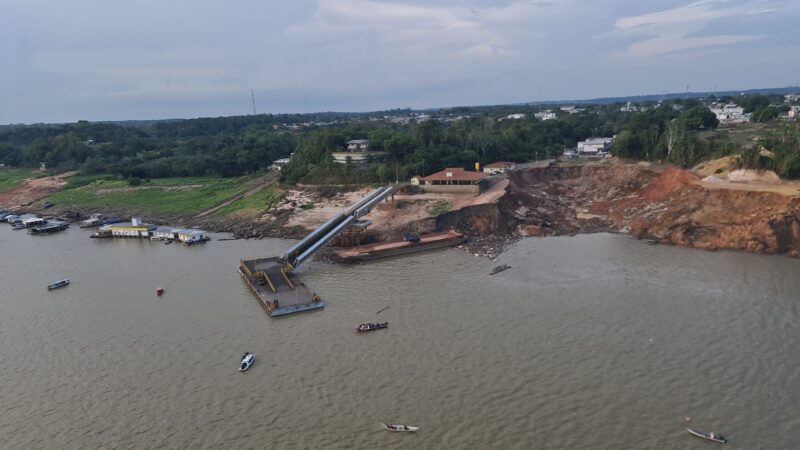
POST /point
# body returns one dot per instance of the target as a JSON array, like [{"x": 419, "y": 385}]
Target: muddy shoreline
[{"x": 661, "y": 205}]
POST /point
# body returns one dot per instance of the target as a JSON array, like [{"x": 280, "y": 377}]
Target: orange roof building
[
  {"x": 453, "y": 175},
  {"x": 452, "y": 180}
]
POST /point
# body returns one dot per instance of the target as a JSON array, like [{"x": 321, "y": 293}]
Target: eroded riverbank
[{"x": 662, "y": 205}]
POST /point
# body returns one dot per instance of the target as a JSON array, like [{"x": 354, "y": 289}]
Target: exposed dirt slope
[
  {"x": 670, "y": 207},
  {"x": 31, "y": 190}
]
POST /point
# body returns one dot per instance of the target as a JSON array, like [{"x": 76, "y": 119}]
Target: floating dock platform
[
  {"x": 279, "y": 292},
  {"x": 394, "y": 248}
]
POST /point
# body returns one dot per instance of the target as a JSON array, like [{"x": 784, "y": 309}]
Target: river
[{"x": 593, "y": 341}]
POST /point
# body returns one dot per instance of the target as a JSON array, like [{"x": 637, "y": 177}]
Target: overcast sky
[{"x": 115, "y": 60}]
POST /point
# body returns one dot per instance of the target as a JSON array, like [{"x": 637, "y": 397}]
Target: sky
[{"x": 63, "y": 61}]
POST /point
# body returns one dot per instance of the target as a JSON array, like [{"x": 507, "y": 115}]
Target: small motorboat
[
  {"x": 247, "y": 360},
  {"x": 709, "y": 436},
  {"x": 160, "y": 291},
  {"x": 399, "y": 428},
  {"x": 364, "y": 327},
  {"x": 57, "y": 284}
]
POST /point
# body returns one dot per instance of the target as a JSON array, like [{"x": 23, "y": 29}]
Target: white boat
[
  {"x": 57, "y": 284},
  {"x": 710, "y": 436},
  {"x": 399, "y": 428},
  {"x": 247, "y": 360}
]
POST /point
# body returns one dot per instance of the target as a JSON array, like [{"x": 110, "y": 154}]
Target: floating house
[
  {"x": 134, "y": 228},
  {"x": 33, "y": 221},
  {"x": 52, "y": 226},
  {"x": 165, "y": 233},
  {"x": 192, "y": 236}
]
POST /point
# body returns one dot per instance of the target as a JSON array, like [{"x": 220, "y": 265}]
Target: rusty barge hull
[
  {"x": 278, "y": 290},
  {"x": 427, "y": 242}
]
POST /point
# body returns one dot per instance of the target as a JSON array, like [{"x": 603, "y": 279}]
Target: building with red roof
[{"x": 452, "y": 180}]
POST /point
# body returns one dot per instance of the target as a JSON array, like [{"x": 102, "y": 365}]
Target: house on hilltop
[
  {"x": 453, "y": 180},
  {"x": 357, "y": 152},
  {"x": 599, "y": 147},
  {"x": 499, "y": 167},
  {"x": 730, "y": 113}
]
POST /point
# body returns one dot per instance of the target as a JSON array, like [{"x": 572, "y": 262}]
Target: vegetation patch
[
  {"x": 13, "y": 177},
  {"x": 439, "y": 208},
  {"x": 259, "y": 201},
  {"x": 307, "y": 206},
  {"x": 157, "y": 196}
]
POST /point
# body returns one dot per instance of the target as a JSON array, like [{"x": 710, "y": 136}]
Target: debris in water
[{"x": 499, "y": 269}]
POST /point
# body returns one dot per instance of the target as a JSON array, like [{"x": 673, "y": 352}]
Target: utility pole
[{"x": 253, "y": 98}]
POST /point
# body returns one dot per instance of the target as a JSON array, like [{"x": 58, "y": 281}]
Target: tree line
[{"x": 680, "y": 131}]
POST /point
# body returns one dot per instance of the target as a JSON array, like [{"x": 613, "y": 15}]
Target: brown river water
[{"x": 587, "y": 342}]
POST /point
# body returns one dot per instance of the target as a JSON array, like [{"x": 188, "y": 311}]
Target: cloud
[
  {"x": 677, "y": 29},
  {"x": 451, "y": 32},
  {"x": 96, "y": 59}
]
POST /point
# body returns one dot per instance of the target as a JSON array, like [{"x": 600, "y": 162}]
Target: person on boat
[{"x": 711, "y": 435}]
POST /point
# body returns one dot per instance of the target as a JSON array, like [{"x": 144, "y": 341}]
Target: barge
[
  {"x": 52, "y": 226},
  {"x": 277, "y": 289},
  {"x": 395, "y": 248}
]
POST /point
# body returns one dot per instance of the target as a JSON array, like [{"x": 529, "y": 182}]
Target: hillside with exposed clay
[{"x": 664, "y": 205}]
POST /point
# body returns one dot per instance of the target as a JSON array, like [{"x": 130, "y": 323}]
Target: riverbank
[
  {"x": 665, "y": 205},
  {"x": 662, "y": 204}
]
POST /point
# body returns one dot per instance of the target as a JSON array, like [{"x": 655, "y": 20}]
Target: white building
[
  {"x": 192, "y": 236},
  {"x": 730, "y": 113},
  {"x": 546, "y": 115},
  {"x": 358, "y": 152},
  {"x": 515, "y": 116},
  {"x": 165, "y": 233},
  {"x": 499, "y": 167},
  {"x": 794, "y": 112},
  {"x": 633, "y": 108},
  {"x": 571, "y": 109},
  {"x": 595, "y": 147},
  {"x": 358, "y": 145},
  {"x": 129, "y": 229},
  {"x": 279, "y": 164}
]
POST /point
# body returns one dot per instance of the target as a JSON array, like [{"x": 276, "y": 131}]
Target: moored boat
[
  {"x": 364, "y": 327},
  {"x": 95, "y": 221},
  {"x": 57, "y": 284},
  {"x": 160, "y": 291},
  {"x": 709, "y": 436},
  {"x": 399, "y": 428},
  {"x": 247, "y": 360},
  {"x": 51, "y": 226},
  {"x": 409, "y": 244}
]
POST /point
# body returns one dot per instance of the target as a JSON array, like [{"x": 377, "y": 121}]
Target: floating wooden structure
[
  {"x": 279, "y": 291},
  {"x": 51, "y": 226},
  {"x": 271, "y": 279},
  {"x": 394, "y": 248}
]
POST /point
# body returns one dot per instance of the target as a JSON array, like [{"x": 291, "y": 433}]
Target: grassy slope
[
  {"x": 256, "y": 202},
  {"x": 13, "y": 177},
  {"x": 158, "y": 196}
]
